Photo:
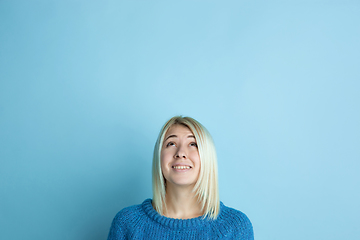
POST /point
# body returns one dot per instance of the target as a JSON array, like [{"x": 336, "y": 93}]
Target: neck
[{"x": 181, "y": 203}]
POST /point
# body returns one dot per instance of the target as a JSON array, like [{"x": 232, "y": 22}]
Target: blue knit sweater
[{"x": 143, "y": 222}]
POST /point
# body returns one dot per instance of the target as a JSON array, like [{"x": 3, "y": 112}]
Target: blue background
[{"x": 86, "y": 85}]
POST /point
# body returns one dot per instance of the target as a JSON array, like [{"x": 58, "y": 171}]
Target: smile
[{"x": 181, "y": 167}]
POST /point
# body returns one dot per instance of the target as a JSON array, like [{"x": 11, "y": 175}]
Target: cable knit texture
[{"x": 143, "y": 222}]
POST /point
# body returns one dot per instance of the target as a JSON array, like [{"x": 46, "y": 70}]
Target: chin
[{"x": 184, "y": 184}]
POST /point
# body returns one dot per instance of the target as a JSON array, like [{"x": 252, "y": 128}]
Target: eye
[
  {"x": 193, "y": 144},
  {"x": 170, "y": 144}
]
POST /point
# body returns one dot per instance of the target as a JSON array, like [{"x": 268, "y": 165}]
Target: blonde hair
[{"x": 206, "y": 187}]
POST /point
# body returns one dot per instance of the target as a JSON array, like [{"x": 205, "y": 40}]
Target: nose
[{"x": 180, "y": 153}]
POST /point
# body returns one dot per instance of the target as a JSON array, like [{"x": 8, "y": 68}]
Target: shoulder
[
  {"x": 129, "y": 215},
  {"x": 232, "y": 215},
  {"x": 125, "y": 221},
  {"x": 234, "y": 222}
]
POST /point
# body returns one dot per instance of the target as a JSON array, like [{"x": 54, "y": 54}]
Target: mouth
[{"x": 181, "y": 167}]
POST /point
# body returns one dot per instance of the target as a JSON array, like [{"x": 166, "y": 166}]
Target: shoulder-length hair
[{"x": 206, "y": 187}]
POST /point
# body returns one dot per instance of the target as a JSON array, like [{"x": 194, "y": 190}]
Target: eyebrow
[{"x": 175, "y": 136}]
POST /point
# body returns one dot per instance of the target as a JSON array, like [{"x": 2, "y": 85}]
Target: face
[{"x": 180, "y": 160}]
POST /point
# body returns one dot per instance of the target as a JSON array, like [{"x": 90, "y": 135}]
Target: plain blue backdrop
[{"x": 86, "y": 85}]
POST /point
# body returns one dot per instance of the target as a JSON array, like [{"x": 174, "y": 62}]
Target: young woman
[{"x": 185, "y": 202}]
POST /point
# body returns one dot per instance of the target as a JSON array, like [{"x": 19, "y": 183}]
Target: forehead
[{"x": 178, "y": 129}]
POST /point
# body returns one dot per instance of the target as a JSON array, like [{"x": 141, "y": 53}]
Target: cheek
[
  {"x": 164, "y": 158},
  {"x": 162, "y": 161},
  {"x": 196, "y": 158}
]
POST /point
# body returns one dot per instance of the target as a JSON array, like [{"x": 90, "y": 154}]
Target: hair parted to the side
[{"x": 206, "y": 187}]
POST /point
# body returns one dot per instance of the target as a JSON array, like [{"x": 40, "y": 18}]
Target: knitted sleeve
[
  {"x": 116, "y": 233},
  {"x": 235, "y": 225},
  {"x": 249, "y": 232},
  {"x": 245, "y": 227}
]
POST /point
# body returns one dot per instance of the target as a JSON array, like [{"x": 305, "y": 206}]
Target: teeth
[{"x": 181, "y": 167}]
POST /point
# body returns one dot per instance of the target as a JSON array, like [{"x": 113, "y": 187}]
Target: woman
[{"x": 185, "y": 202}]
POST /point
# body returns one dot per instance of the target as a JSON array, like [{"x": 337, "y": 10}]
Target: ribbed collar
[{"x": 172, "y": 222}]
